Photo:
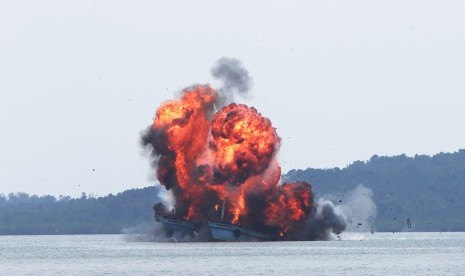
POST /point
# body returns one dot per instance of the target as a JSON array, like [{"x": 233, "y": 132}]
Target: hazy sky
[{"x": 340, "y": 80}]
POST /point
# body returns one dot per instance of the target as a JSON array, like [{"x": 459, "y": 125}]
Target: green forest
[
  {"x": 427, "y": 190},
  {"x": 21, "y": 214}
]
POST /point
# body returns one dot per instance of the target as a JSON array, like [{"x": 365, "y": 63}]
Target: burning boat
[
  {"x": 223, "y": 231},
  {"x": 172, "y": 224},
  {"x": 207, "y": 149},
  {"x": 175, "y": 225},
  {"x": 219, "y": 230}
]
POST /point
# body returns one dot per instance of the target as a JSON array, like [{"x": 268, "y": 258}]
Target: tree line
[
  {"x": 419, "y": 193},
  {"x": 21, "y": 214},
  {"x": 429, "y": 191}
]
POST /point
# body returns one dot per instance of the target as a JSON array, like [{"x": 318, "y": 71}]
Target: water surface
[{"x": 356, "y": 254}]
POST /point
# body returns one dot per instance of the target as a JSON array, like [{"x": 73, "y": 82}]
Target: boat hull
[
  {"x": 228, "y": 232},
  {"x": 173, "y": 225}
]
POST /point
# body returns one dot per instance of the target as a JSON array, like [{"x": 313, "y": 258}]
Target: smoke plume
[
  {"x": 359, "y": 207},
  {"x": 235, "y": 78},
  {"x": 328, "y": 220}
]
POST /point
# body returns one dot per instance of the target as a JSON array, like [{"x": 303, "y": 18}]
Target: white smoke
[
  {"x": 145, "y": 232},
  {"x": 359, "y": 208},
  {"x": 167, "y": 198}
]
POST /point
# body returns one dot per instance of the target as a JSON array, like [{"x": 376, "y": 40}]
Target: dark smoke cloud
[
  {"x": 235, "y": 78},
  {"x": 327, "y": 221},
  {"x": 155, "y": 142}
]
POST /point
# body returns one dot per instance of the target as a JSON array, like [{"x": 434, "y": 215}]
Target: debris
[{"x": 339, "y": 195}]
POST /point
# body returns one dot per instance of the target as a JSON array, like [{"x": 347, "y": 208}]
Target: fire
[
  {"x": 185, "y": 125},
  {"x": 227, "y": 158},
  {"x": 243, "y": 142},
  {"x": 292, "y": 206}
]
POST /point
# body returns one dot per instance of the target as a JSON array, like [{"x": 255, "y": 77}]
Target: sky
[{"x": 340, "y": 80}]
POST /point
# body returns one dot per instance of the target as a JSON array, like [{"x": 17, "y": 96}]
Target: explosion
[{"x": 221, "y": 165}]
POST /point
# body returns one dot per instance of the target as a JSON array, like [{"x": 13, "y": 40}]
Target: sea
[{"x": 350, "y": 254}]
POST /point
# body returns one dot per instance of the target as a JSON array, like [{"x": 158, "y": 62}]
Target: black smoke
[
  {"x": 327, "y": 220},
  {"x": 235, "y": 78}
]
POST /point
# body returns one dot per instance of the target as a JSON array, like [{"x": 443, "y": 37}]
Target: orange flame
[{"x": 229, "y": 155}]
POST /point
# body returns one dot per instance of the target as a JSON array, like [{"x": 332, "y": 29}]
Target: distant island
[
  {"x": 420, "y": 193},
  {"x": 21, "y": 214}
]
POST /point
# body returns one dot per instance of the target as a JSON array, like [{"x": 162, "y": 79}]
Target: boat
[
  {"x": 175, "y": 225},
  {"x": 171, "y": 223},
  {"x": 221, "y": 231},
  {"x": 224, "y": 231}
]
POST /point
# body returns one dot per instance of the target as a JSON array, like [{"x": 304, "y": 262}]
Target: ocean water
[{"x": 355, "y": 254}]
